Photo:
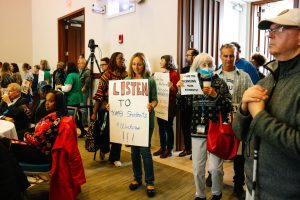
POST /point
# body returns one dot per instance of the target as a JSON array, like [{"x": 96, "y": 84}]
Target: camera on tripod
[{"x": 92, "y": 44}]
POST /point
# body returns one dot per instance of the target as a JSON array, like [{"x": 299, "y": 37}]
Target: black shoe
[
  {"x": 185, "y": 153},
  {"x": 102, "y": 155},
  {"x": 198, "y": 198},
  {"x": 239, "y": 191},
  {"x": 167, "y": 153},
  {"x": 216, "y": 197},
  {"x": 150, "y": 190},
  {"x": 191, "y": 158},
  {"x": 134, "y": 185},
  {"x": 82, "y": 134},
  {"x": 208, "y": 180},
  {"x": 159, "y": 152}
]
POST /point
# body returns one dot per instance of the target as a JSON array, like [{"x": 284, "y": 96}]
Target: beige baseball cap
[{"x": 288, "y": 17}]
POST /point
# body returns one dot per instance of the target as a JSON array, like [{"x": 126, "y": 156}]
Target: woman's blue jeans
[{"x": 139, "y": 153}]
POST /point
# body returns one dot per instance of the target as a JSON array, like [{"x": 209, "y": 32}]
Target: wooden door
[
  {"x": 71, "y": 36},
  {"x": 198, "y": 27},
  {"x": 74, "y": 43}
]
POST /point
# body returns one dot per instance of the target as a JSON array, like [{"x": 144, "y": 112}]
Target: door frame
[{"x": 62, "y": 33}]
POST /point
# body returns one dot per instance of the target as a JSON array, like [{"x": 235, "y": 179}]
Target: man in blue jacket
[{"x": 242, "y": 63}]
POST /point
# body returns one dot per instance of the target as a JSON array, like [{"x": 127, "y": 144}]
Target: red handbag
[{"x": 221, "y": 140}]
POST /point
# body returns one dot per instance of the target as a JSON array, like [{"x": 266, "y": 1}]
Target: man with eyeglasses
[
  {"x": 186, "y": 113},
  {"x": 14, "y": 106},
  {"x": 270, "y": 115},
  {"x": 104, "y": 64}
]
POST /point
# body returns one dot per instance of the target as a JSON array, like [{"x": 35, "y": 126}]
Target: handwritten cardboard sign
[
  {"x": 128, "y": 115},
  {"x": 162, "y": 108},
  {"x": 41, "y": 75},
  {"x": 190, "y": 84}
]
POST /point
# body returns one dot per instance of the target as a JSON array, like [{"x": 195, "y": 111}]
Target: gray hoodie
[{"x": 278, "y": 127}]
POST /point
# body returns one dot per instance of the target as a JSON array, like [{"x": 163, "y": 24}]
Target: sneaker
[
  {"x": 208, "y": 180},
  {"x": 118, "y": 163},
  {"x": 159, "y": 152},
  {"x": 216, "y": 197}
]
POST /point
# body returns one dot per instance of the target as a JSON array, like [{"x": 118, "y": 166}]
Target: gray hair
[{"x": 202, "y": 57}]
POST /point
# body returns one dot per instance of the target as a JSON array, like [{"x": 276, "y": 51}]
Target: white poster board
[
  {"x": 128, "y": 114},
  {"x": 41, "y": 75},
  {"x": 191, "y": 84},
  {"x": 162, "y": 108}
]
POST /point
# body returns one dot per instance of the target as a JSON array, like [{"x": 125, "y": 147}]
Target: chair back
[
  {"x": 67, "y": 172},
  {"x": 72, "y": 111}
]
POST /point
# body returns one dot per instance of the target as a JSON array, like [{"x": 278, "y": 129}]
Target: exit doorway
[{"x": 71, "y": 31}]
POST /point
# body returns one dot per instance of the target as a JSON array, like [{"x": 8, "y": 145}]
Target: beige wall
[
  {"x": 16, "y": 31},
  {"x": 29, "y": 31},
  {"x": 152, "y": 29}
]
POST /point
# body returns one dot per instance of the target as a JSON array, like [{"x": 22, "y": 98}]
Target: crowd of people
[{"x": 236, "y": 90}]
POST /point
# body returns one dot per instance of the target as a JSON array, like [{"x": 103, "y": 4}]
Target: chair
[
  {"x": 72, "y": 111},
  {"x": 66, "y": 171},
  {"x": 35, "y": 169}
]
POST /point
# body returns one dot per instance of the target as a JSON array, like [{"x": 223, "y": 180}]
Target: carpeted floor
[{"x": 107, "y": 182}]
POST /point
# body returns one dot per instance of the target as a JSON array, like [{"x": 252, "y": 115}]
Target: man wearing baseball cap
[{"x": 270, "y": 115}]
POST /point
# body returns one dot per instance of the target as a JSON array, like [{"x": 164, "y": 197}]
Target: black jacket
[
  {"x": 12, "y": 179},
  {"x": 16, "y": 111}
]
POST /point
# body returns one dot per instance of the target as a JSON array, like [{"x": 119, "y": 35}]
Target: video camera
[{"x": 92, "y": 44}]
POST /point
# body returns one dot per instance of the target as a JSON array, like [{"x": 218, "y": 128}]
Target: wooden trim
[
  {"x": 61, "y": 33},
  {"x": 296, "y": 3},
  {"x": 264, "y": 2},
  {"x": 73, "y": 14},
  {"x": 217, "y": 34}
]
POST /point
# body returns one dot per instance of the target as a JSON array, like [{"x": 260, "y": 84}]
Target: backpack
[{"x": 91, "y": 137}]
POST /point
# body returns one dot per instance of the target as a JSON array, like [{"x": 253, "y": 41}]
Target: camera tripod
[{"x": 92, "y": 58}]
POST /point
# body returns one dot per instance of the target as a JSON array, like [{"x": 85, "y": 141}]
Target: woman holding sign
[
  {"x": 139, "y": 68},
  {"x": 215, "y": 99},
  {"x": 116, "y": 71},
  {"x": 166, "y": 133}
]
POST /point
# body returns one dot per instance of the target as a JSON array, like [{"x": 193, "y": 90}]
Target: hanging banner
[
  {"x": 128, "y": 115},
  {"x": 161, "y": 110}
]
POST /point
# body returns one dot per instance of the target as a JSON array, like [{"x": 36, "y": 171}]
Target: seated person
[
  {"x": 37, "y": 146},
  {"x": 14, "y": 106},
  {"x": 38, "y": 110},
  {"x": 12, "y": 179}
]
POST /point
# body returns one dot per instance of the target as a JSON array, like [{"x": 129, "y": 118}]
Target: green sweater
[
  {"x": 152, "y": 97},
  {"x": 74, "y": 96}
]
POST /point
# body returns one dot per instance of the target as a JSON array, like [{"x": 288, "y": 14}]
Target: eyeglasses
[
  {"x": 280, "y": 29},
  {"x": 103, "y": 65},
  {"x": 188, "y": 55}
]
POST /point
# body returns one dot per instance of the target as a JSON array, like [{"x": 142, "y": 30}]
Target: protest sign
[
  {"x": 190, "y": 84},
  {"x": 162, "y": 108},
  {"x": 128, "y": 115}
]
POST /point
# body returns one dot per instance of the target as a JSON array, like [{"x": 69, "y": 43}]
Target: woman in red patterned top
[
  {"x": 37, "y": 146},
  {"x": 116, "y": 71}
]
